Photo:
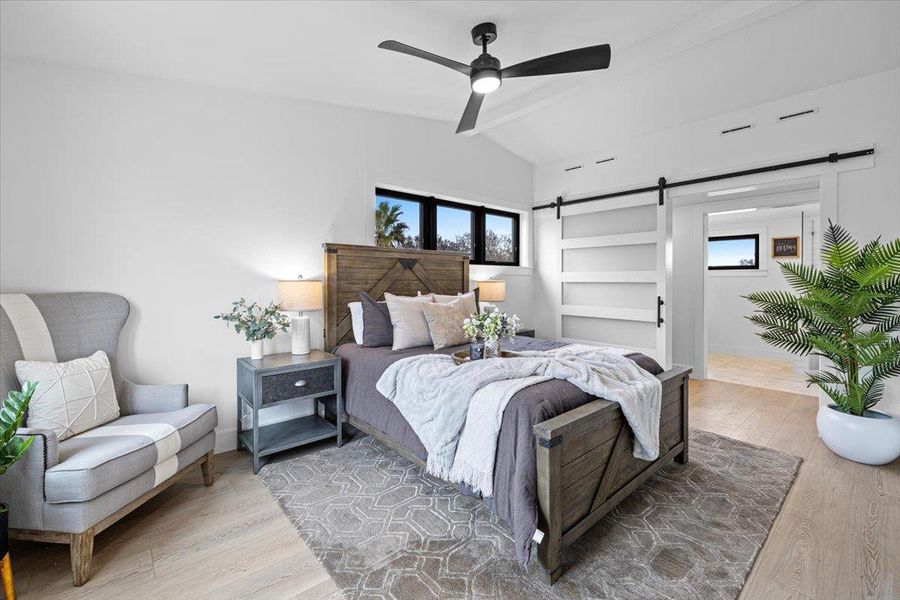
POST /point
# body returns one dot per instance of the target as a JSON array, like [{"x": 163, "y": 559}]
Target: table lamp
[
  {"x": 490, "y": 290},
  {"x": 300, "y": 295}
]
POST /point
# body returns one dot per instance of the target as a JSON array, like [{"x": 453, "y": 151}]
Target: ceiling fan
[{"x": 485, "y": 74}]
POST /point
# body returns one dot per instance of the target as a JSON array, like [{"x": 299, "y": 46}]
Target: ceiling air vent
[
  {"x": 736, "y": 129},
  {"x": 605, "y": 160},
  {"x": 797, "y": 115},
  {"x": 575, "y": 168}
]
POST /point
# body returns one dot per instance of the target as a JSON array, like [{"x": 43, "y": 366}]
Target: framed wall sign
[{"x": 786, "y": 247}]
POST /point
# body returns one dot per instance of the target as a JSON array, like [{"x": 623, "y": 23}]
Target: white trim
[
  {"x": 616, "y": 239},
  {"x": 608, "y": 312},
  {"x": 608, "y": 277}
]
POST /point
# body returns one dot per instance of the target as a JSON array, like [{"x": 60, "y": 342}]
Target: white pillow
[
  {"x": 408, "y": 318},
  {"x": 356, "y": 318},
  {"x": 71, "y": 397}
]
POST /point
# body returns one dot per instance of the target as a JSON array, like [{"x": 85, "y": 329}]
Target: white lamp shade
[
  {"x": 300, "y": 294},
  {"x": 491, "y": 290}
]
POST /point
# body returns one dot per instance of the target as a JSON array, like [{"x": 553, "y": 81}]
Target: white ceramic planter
[
  {"x": 256, "y": 349},
  {"x": 871, "y": 440}
]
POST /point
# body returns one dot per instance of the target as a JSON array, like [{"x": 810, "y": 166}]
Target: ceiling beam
[{"x": 628, "y": 60}]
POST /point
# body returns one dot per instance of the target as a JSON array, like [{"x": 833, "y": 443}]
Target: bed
[{"x": 564, "y": 459}]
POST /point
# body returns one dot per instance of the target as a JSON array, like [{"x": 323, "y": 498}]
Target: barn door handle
[{"x": 659, "y": 305}]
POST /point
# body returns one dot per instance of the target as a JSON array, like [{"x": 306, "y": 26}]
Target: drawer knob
[{"x": 300, "y": 383}]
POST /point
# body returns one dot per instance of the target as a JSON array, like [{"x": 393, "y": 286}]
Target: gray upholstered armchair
[{"x": 69, "y": 491}]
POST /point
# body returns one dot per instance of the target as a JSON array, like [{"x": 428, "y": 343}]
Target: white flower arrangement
[{"x": 491, "y": 326}]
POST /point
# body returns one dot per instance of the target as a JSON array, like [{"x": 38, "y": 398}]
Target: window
[
  {"x": 398, "y": 222},
  {"x": 488, "y": 236},
  {"x": 733, "y": 252}
]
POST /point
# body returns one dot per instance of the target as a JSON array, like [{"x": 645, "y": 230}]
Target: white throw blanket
[{"x": 434, "y": 395}]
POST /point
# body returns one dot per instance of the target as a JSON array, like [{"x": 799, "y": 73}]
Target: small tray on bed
[{"x": 462, "y": 356}]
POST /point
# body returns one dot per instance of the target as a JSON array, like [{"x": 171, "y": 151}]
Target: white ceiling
[{"x": 672, "y": 62}]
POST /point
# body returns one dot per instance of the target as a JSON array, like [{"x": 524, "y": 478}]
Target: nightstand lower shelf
[{"x": 289, "y": 434}]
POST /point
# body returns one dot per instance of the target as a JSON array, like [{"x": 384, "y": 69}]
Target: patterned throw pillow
[
  {"x": 445, "y": 321},
  {"x": 71, "y": 397}
]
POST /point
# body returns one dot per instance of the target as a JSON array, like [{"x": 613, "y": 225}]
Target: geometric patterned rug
[{"x": 385, "y": 529}]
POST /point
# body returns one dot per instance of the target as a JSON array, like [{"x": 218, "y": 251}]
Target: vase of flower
[
  {"x": 256, "y": 322},
  {"x": 489, "y": 328}
]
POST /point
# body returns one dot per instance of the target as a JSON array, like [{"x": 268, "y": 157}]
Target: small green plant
[
  {"x": 12, "y": 446},
  {"x": 491, "y": 326},
  {"x": 254, "y": 321},
  {"x": 847, "y": 313}
]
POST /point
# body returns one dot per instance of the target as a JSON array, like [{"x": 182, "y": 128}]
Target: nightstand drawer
[{"x": 297, "y": 384}]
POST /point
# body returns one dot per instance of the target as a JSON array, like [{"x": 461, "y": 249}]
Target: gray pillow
[{"x": 377, "y": 327}]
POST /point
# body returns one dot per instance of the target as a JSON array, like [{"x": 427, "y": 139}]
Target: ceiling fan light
[{"x": 485, "y": 82}]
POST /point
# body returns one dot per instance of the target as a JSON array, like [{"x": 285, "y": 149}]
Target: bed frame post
[
  {"x": 549, "y": 488},
  {"x": 682, "y": 458}
]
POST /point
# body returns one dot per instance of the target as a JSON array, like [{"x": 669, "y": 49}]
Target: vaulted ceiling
[{"x": 672, "y": 62}]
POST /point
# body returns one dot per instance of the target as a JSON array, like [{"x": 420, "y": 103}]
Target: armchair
[{"x": 68, "y": 492}]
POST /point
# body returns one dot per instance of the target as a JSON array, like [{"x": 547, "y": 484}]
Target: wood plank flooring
[
  {"x": 743, "y": 370},
  {"x": 837, "y": 537}
]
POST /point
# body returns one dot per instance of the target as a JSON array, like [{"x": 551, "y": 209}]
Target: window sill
[
  {"x": 484, "y": 271},
  {"x": 738, "y": 273}
]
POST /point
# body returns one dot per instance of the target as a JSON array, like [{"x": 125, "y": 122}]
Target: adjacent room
[{"x": 409, "y": 300}]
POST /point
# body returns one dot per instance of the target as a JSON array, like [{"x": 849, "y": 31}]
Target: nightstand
[{"x": 278, "y": 380}]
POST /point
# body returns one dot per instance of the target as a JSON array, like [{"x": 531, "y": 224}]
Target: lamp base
[{"x": 300, "y": 335}]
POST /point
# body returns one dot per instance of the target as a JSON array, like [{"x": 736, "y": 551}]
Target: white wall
[
  {"x": 182, "y": 198},
  {"x": 851, "y": 114},
  {"x": 728, "y": 330}
]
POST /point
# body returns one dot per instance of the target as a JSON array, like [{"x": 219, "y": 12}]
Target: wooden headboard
[{"x": 351, "y": 269}]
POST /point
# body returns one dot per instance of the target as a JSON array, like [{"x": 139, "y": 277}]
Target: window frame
[
  {"x": 428, "y": 224},
  {"x": 741, "y": 236}
]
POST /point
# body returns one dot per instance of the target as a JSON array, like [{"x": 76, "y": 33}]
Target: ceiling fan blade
[
  {"x": 406, "y": 49},
  {"x": 571, "y": 61},
  {"x": 470, "y": 115}
]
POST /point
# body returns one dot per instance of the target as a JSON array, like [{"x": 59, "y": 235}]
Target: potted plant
[
  {"x": 12, "y": 447},
  {"x": 489, "y": 327},
  {"x": 256, "y": 322},
  {"x": 847, "y": 314}
]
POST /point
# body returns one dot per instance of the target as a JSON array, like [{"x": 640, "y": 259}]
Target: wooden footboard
[{"x": 585, "y": 465}]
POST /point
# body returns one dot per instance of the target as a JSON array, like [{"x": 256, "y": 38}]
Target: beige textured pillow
[
  {"x": 408, "y": 319},
  {"x": 71, "y": 397},
  {"x": 445, "y": 321}
]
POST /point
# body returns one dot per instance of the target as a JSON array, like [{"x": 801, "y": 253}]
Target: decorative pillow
[
  {"x": 356, "y": 318},
  {"x": 71, "y": 397},
  {"x": 377, "y": 329},
  {"x": 445, "y": 321},
  {"x": 408, "y": 318},
  {"x": 445, "y": 298}
]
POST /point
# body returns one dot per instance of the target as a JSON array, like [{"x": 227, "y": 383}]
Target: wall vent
[
  {"x": 575, "y": 168},
  {"x": 802, "y": 113},
  {"x": 736, "y": 129},
  {"x": 605, "y": 160}
]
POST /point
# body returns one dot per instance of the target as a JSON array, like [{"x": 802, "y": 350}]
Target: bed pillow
[
  {"x": 376, "y": 328},
  {"x": 445, "y": 298},
  {"x": 71, "y": 397},
  {"x": 356, "y": 320},
  {"x": 445, "y": 321},
  {"x": 408, "y": 319}
]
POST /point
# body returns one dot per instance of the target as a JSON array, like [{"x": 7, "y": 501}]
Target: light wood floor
[
  {"x": 759, "y": 372},
  {"x": 838, "y": 534}
]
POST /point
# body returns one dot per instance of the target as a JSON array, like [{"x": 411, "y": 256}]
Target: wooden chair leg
[
  {"x": 9, "y": 590},
  {"x": 81, "y": 551},
  {"x": 208, "y": 466}
]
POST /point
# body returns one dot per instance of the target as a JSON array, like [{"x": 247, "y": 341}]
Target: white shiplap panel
[
  {"x": 608, "y": 277},
  {"x": 609, "y": 312},
  {"x": 619, "y": 239}
]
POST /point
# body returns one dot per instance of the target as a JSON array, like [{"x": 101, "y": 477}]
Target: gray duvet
[{"x": 515, "y": 472}]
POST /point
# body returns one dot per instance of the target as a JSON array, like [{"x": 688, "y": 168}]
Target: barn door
[{"x": 615, "y": 259}]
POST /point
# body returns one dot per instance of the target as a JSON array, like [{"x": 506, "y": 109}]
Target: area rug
[{"x": 384, "y": 529}]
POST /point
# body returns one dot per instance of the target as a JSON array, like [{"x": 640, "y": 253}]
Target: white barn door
[{"x": 615, "y": 264}]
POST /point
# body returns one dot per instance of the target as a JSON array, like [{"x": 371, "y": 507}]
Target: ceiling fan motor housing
[{"x": 485, "y": 66}]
